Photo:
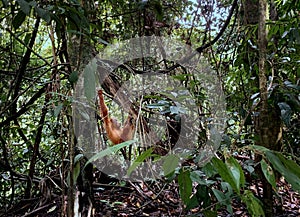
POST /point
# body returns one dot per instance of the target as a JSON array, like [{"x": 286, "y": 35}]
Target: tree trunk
[
  {"x": 267, "y": 123},
  {"x": 80, "y": 52}
]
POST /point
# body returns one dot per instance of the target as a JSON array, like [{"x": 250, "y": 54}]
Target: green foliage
[
  {"x": 170, "y": 164},
  {"x": 77, "y": 169},
  {"x": 288, "y": 168},
  {"x": 73, "y": 77},
  {"x": 234, "y": 180},
  {"x": 108, "y": 151},
  {"x": 268, "y": 172},
  {"x": 25, "y": 6},
  {"x": 44, "y": 14},
  {"x": 202, "y": 196},
  {"x": 253, "y": 204},
  {"x": 224, "y": 199},
  {"x": 19, "y": 19},
  {"x": 185, "y": 185},
  {"x": 230, "y": 172},
  {"x": 276, "y": 160},
  {"x": 90, "y": 80},
  {"x": 139, "y": 160}
]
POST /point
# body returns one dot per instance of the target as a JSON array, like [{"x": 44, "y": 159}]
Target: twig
[{"x": 39, "y": 209}]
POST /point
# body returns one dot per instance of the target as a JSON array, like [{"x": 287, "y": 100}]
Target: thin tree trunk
[
  {"x": 80, "y": 52},
  {"x": 263, "y": 124}
]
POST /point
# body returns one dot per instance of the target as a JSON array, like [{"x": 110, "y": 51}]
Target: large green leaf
[
  {"x": 210, "y": 213},
  {"x": 108, "y": 151},
  {"x": 90, "y": 80},
  {"x": 73, "y": 77},
  {"x": 268, "y": 172},
  {"x": 185, "y": 185},
  {"x": 5, "y": 4},
  {"x": 44, "y": 14},
  {"x": 226, "y": 174},
  {"x": 202, "y": 196},
  {"x": 286, "y": 112},
  {"x": 78, "y": 157},
  {"x": 223, "y": 199},
  {"x": 209, "y": 170},
  {"x": 57, "y": 110},
  {"x": 25, "y": 6},
  {"x": 170, "y": 163},
  {"x": 257, "y": 148},
  {"x": 76, "y": 172},
  {"x": 290, "y": 165},
  {"x": 254, "y": 206},
  {"x": 286, "y": 168},
  {"x": 139, "y": 160},
  {"x": 18, "y": 19},
  {"x": 236, "y": 171}
]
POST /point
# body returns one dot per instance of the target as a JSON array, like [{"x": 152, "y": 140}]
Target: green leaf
[
  {"x": 24, "y": 5},
  {"x": 209, "y": 170},
  {"x": 170, "y": 163},
  {"x": 185, "y": 185},
  {"x": 108, "y": 151},
  {"x": 158, "y": 9},
  {"x": 159, "y": 105},
  {"x": 5, "y": 3},
  {"x": 291, "y": 85},
  {"x": 174, "y": 109},
  {"x": 32, "y": 3},
  {"x": 286, "y": 113},
  {"x": 103, "y": 41},
  {"x": 290, "y": 165},
  {"x": 286, "y": 171},
  {"x": 223, "y": 199},
  {"x": 285, "y": 34},
  {"x": 226, "y": 188},
  {"x": 73, "y": 77},
  {"x": 44, "y": 14},
  {"x": 225, "y": 173},
  {"x": 139, "y": 160},
  {"x": 181, "y": 77},
  {"x": 78, "y": 157},
  {"x": 27, "y": 38},
  {"x": 192, "y": 203},
  {"x": 275, "y": 162},
  {"x": 196, "y": 176},
  {"x": 268, "y": 173},
  {"x": 296, "y": 35},
  {"x": 90, "y": 80},
  {"x": 257, "y": 148},
  {"x": 237, "y": 171},
  {"x": 203, "y": 195},
  {"x": 57, "y": 109},
  {"x": 76, "y": 172},
  {"x": 254, "y": 206},
  {"x": 210, "y": 213},
  {"x": 18, "y": 19}
]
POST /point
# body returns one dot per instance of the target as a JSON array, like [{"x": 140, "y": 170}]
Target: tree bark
[
  {"x": 263, "y": 127},
  {"x": 267, "y": 123}
]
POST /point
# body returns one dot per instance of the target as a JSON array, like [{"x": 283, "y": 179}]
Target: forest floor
[
  {"x": 154, "y": 199},
  {"x": 141, "y": 199}
]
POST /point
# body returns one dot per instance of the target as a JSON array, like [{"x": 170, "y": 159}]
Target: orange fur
[{"x": 115, "y": 132}]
